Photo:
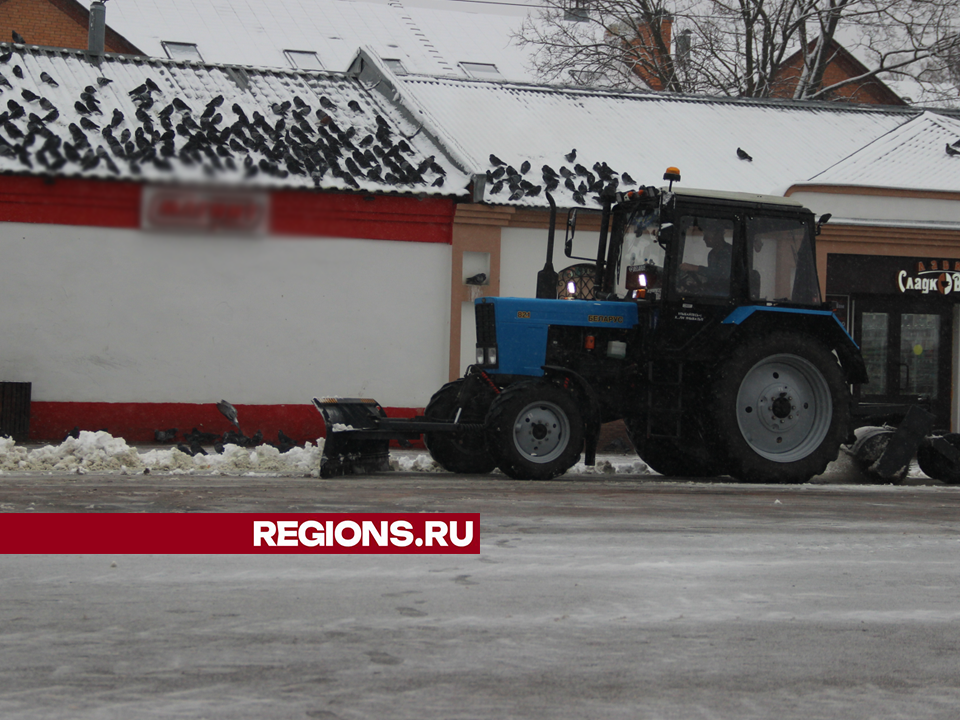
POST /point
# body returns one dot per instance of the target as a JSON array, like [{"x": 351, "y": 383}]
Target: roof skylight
[
  {"x": 394, "y": 65},
  {"x": 481, "y": 71},
  {"x": 306, "y": 59},
  {"x": 181, "y": 50}
]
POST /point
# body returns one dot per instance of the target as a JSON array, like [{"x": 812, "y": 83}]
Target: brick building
[{"x": 55, "y": 23}]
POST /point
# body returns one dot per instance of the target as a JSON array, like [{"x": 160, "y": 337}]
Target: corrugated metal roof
[
  {"x": 136, "y": 118},
  {"x": 923, "y": 154},
  {"x": 640, "y": 134}
]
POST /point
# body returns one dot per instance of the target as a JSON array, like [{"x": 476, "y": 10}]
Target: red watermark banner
[{"x": 239, "y": 533}]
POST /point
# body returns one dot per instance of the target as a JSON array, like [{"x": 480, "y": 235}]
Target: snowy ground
[{"x": 101, "y": 453}]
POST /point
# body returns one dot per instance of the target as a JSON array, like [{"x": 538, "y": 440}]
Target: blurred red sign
[{"x": 205, "y": 210}]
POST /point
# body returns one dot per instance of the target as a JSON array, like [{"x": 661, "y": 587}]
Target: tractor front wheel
[
  {"x": 534, "y": 431},
  {"x": 461, "y": 451}
]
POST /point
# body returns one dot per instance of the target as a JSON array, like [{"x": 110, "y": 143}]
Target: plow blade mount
[
  {"x": 359, "y": 434},
  {"x": 349, "y": 447}
]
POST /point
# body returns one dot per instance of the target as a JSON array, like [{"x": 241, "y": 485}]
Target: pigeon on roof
[{"x": 134, "y": 127}]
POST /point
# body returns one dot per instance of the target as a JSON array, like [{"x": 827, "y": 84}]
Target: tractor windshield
[{"x": 641, "y": 255}]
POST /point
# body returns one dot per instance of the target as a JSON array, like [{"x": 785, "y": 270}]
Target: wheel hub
[
  {"x": 778, "y": 409},
  {"x": 781, "y": 406},
  {"x": 540, "y": 431}
]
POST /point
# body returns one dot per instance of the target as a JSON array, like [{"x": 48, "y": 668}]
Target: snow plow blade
[
  {"x": 353, "y": 444},
  {"x": 359, "y": 434}
]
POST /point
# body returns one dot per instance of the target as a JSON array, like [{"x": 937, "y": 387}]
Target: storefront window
[
  {"x": 873, "y": 346},
  {"x": 919, "y": 356}
]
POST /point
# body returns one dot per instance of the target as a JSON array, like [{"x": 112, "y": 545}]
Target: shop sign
[
  {"x": 934, "y": 276},
  {"x": 244, "y": 212}
]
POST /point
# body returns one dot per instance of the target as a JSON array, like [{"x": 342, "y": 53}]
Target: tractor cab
[{"x": 700, "y": 248}]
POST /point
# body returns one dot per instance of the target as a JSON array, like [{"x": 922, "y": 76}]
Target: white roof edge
[
  {"x": 905, "y": 224},
  {"x": 737, "y": 196}
]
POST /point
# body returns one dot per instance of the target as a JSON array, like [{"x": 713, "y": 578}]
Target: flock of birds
[
  {"x": 167, "y": 133},
  {"x": 578, "y": 180},
  {"x": 192, "y": 443}
]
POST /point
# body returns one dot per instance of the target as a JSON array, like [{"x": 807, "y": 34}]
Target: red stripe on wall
[
  {"x": 103, "y": 203},
  {"x": 137, "y": 422},
  {"x": 69, "y": 201},
  {"x": 376, "y": 217}
]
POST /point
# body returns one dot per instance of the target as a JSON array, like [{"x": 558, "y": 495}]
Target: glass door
[{"x": 906, "y": 346}]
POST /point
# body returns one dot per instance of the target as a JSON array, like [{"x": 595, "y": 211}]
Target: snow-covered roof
[
  {"x": 431, "y": 39},
  {"x": 642, "y": 134},
  {"x": 922, "y": 154},
  {"x": 148, "y": 119}
]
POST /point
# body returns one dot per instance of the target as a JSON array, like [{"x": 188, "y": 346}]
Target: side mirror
[
  {"x": 824, "y": 219},
  {"x": 571, "y": 230}
]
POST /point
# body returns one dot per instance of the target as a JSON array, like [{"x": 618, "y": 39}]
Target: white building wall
[
  {"x": 116, "y": 315},
  {"x": 882, "y": 209},
  {"x": 523, "y": 251}
]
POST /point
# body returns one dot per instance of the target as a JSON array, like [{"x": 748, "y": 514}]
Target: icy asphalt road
[{"x": 592, "y": 597}]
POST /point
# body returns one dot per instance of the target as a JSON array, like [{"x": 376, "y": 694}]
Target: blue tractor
[{"x": 698, "y": 322}]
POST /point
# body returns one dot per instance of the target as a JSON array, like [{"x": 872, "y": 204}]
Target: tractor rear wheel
[
  {"x": 460, "y": 452},
  {"x": 782, "y": 408},
  {"x": 666, "y": 455},
  {"x": 534, "y": 431}
]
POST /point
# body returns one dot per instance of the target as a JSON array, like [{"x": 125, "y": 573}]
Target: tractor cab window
[
  {"x": 781, "y": 262},
  {"x": 641, "y": 259},
  {"x": 705, "y": 251}
]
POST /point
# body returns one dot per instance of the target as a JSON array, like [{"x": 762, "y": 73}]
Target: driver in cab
[{"x": 716, "y": 273}]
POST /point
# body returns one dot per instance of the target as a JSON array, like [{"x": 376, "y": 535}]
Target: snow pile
[
  {"x": 420, "y": 462},
  {"x": 615, "y": 465},
  {"x": 626, "y": 465},
  {"x": 100, "y": 452}
]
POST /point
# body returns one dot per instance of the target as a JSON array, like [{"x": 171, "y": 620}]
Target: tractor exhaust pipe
[{"x": 547, "y": 278}]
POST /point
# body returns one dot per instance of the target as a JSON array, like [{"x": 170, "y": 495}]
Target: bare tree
[{"x": 747, "y": 48}]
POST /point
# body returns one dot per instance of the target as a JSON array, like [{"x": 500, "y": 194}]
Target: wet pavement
[{"x": 593, "y": 596}]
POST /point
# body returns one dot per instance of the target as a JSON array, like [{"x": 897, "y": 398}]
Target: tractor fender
[
  {"x": 591, "y": 407},
  {"x": 753, "y": 320}
]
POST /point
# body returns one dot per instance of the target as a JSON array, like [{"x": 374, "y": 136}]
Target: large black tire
[
  {"x": 459, "y": 452},
  {"x": 935, "y": 465},
  {"x": 673, "y": 458},
  {"x": 782, "y": 408},
  {"x": 869, "y": 447},
  {"x": 534, "y": 431}
]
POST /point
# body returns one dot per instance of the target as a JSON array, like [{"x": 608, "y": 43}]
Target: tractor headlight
[
  {"x": 492, "y": 355},
  {"x": 479, "y": 356}
]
